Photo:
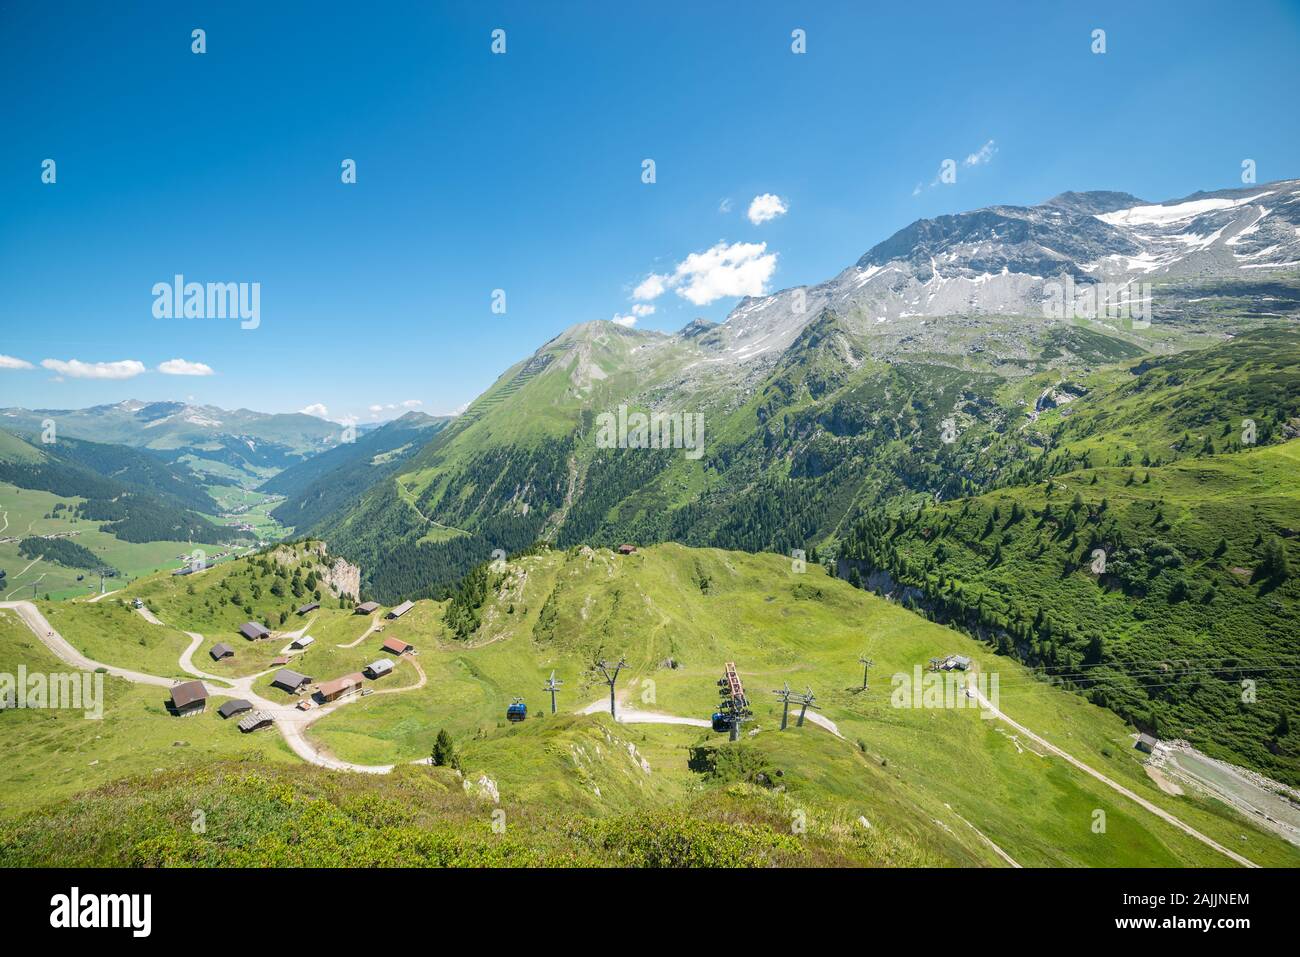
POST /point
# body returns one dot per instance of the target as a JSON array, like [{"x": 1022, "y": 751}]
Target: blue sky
[{"x": 523, "y": 171}]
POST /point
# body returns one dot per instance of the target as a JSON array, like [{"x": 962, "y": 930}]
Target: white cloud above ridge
[
  {"x": 651, "y": 287},
  {"x": 981, "y": 155},
  {"x": 739, "y": 269},
  {"x": 184, "y": 367},
  {"x": 766, "y": 207},
  {"x": 725, "y": 269},
  {"x": 76, "y": 369},
  {"x": 379, "y": 408}
]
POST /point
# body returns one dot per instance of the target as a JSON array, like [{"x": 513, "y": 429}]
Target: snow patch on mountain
[
  {"x": 1164, "y": 214},
  {"x": 998, "y": 261}
]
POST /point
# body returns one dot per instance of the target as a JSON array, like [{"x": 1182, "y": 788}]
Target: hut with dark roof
[
  {"x": 290, "y": 681},
  {"x": 189, "y": 697},
  {"x": 377, "y": 669},
  {"x": 233, "y": 707}
]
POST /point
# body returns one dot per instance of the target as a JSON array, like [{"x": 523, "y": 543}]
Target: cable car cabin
[
  {"x": 517, "y": 711},
  {"x": 721, "y": 722}
]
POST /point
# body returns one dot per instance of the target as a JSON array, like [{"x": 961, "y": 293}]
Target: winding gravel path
[{"x": 291, "y": 722}]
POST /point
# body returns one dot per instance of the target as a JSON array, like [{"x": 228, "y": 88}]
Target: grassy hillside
[
  {"x": 422, "y": 818},
  {"x": 268, "y": 587},
  {"x": 1148, "y": 589},
  {"x": 34, "y": 514},
  {"x": 936, "y": 786},
  {"x": 701, "y": 608},
  {"x": 53, "y": 754}
]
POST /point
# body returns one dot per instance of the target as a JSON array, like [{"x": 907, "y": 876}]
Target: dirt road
[
  {"x": 69, "y": 655},
  {"x": 291, "y": 722},
  {"x": 1111, "y": 783}
]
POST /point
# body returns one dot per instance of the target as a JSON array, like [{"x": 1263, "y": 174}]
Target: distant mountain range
[{"x": 226, "y": 447}]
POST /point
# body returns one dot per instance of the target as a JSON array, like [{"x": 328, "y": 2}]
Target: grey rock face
[{"x": 997, "y": 261}]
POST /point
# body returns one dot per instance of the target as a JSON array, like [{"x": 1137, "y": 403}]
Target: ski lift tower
[
  {"x": 552, "y": 685},
  {"x": 735, "y": 704},
  {"x": 806, "y": 700},
  {"x": 784, "y": 695},
  {"x": 866, "y": 664},
  {"x": 610, "y": 673}
]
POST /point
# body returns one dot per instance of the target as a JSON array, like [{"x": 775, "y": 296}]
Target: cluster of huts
[
  {"x": 191, "y": 697},
  {"x": 286, "y": 679}
]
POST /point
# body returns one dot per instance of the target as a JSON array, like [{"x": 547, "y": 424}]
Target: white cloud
[
  {"x": 982, "y": 155},
  {"x": 626, "y": 322},
  {"x": 184, "y": 367},
  {"x": 316, "y": 409},
  {"x": 9, "y": 362},
  {"x": 949, "y": 166},
  {"x": 739, "y": 269},
  {"x": 381, "y": 407},
  {"x": 766, "y": 207},
  {"x": 651, "y": 287},
  {"x": 735, "y": 269},
  {"x": 76, "y": 369},
  {"x": 725, "y": 205}
]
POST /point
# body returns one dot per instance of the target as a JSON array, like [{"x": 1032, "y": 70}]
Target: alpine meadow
[{"x": 740, "y": 438}]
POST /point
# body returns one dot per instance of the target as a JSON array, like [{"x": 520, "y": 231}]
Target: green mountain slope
[
  {"x": 136, "y": 497},
  {"x": 791, "y": 449},
  {"x": 1157, "y": 592},
  {"x": 897, "y": 785},
  {"x": 332, "y": 481},
  {"x": 501, "y": 474}
]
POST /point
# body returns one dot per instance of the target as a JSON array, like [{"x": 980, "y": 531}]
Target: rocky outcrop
[{"x": 344, "y": 578}]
